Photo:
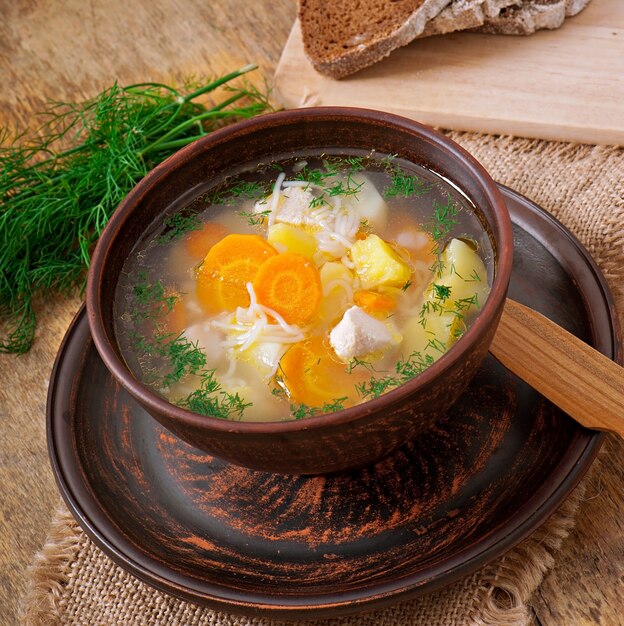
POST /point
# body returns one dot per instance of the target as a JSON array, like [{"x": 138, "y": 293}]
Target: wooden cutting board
[{"x": 566, "y": 84}]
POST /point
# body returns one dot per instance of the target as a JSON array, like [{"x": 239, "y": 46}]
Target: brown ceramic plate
[{"x": 197, "y": 527}]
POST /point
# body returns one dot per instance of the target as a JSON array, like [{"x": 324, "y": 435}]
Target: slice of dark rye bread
[{"x": 343, "y": 36}]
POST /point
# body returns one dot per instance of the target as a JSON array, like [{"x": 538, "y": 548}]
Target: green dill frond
[
  {"x": 255, "y": 219},
  {"x": 441, "y": 292},
  {"x": 177, "y": 225},
  {"x": 60, "y": 184},
  {"x": 405, "y": 369},
  {"x": 444, "y": 219},
  {"x": 211, "y": 400},
  {"x": 406, "y": 185},
  {"x": 184, "y": 357}
]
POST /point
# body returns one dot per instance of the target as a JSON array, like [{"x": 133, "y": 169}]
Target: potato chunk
[
  {"x": 464, "y": 278},
  {"x": 459, "y": 291},
  {"x": 367, "y": 202},
  {"x": 432, "y": 335},
  {"x": 287, "y": 238},
  {"x": 377, "y": 264}
]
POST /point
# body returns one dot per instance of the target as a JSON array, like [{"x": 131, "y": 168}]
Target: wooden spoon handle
[{"x": 587, "y": 385}]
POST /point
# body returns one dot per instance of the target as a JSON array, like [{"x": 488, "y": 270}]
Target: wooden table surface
[{"x": 70, "y": 49}]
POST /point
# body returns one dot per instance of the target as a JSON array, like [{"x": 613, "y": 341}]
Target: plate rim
[{"x": 364, "y": 597}]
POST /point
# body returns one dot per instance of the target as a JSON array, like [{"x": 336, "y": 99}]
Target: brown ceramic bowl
[{"x": 355, "y": 436}]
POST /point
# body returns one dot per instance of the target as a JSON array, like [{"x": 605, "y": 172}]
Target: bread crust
[
  {"x": 529, "y": 16},
  {"x": 347, "y": 55},
  {"x": 464, "y": 14}
]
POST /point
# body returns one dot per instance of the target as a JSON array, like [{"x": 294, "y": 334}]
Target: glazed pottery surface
[{"x": 355, "y": 436}]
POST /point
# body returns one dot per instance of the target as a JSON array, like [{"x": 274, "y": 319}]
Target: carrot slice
[
  {"x": 228, "y": 267},
  {"x": 289, "y": 284},
  {"x": 198, "y": 242},
  {"x": 313, "y": 375},
  {"x": 375, "y": 303}
]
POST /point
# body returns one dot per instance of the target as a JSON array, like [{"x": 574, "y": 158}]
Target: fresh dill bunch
[{"x": 60, "y": 184}]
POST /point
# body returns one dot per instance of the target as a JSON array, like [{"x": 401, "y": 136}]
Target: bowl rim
[{"x": 500, "y": 222}]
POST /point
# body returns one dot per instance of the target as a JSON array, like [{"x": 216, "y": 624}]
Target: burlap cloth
[{"x": 74, "y": 583}]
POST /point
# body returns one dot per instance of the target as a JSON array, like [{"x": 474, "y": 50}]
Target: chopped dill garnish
[
  {"x": 141, "y": 343},
  {"x": 377, "y": 386},
  {"x": 152, "y": 299},
  {"x": 465, "y": 304},
  {"x": 438, "y": 266},
  {"x": 444, "y": 218},
  {"x": 181, "y": 357},
  {"x": 339, "y": 188},
  {"x": 177, "y": 225},
  {"x": 279, "y": 392},
  {"x": 436, "y": 344},
  {"x": 242, "y": 190},
  {"x": 317, "y": 201},
  {"x": 415, "y": 364},
  {"x": 406, "y": 185},
  {"x": 211, "y": 400},
  {"x": 317, "y": 176},
  {"x": 355, "y": 164},
  {"x": 184, "y": 356},
  {"x": 405, "y": 369},
  {"x": 441, "y": 292},
  {"x": 407, "y": 285},
  {"x": 301, "y": 411},
  {"x": 474, "y": 277},
  {"x": 458, "y": 330},
  {"x": 428, "y": 307},
  {"x": 255, "y": 219},
  {"x": 325, "y": 179},
  {"x": 355, "y": 362},
  {"x": 335, "y": 405},
  {"x": 454, "y": 271}
]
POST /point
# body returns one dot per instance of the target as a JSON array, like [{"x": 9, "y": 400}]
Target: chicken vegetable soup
[{"x": 302, "y": 287}]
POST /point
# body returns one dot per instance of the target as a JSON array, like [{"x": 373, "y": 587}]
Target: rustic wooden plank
[{"x": 537, "y": 86}]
